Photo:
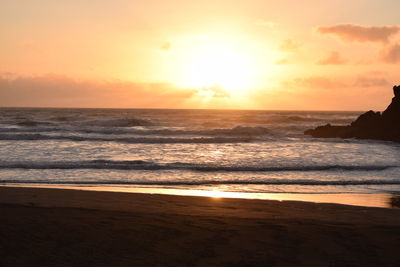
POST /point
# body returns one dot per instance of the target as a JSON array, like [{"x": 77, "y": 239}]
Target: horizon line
[{"x": 221, "y": 109}]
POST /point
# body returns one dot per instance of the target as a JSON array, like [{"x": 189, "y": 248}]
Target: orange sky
[{"x": 253, "y": 54}]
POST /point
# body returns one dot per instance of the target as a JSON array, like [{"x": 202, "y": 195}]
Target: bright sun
[{"x": 220, "y": 64}]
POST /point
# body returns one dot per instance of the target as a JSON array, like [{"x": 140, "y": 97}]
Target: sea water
[{"x": 225, "y": 150}]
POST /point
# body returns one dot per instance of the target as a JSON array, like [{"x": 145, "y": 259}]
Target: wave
[
  {"x": 74, "y": 121},
  {"x": 30, "y": 130},
  {"x": 67, "y": 118},
  {"x": 294, "y": 119},
  {"x": 236, "y": 131},
  {"x": 211, "y": 182},
  {"x": 118, "y": 122},
  {"x": 128, "y": 140},
  {"x": 148, "y": 165},
  {"x": 301, "y": 118},
  {"x": 30, "y": 123}
]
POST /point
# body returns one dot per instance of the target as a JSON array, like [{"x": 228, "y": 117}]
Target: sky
[{"x": 253, "y": 54}]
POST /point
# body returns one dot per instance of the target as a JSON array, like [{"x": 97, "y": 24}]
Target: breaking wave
[
  {"x": 212, "y": 182},
  {"x": 120, "y": 122},
  {"x": 235, "y": 131},
  {"x": 30, "y": 123},
  {"x": 238, "y": 134},
  {"x": 58, "y": 121},
  {"x": 306, "y": 118},
  {"x": 127, "y": 140},
  {"x": 148, "y": 165}
]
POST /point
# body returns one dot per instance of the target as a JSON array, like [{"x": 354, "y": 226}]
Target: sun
[
  {"x": 221, "y": 67},
  {"x": 221, "y": 64}
]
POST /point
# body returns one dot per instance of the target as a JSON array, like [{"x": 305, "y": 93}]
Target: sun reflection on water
[{"x": 382, "y": 200}]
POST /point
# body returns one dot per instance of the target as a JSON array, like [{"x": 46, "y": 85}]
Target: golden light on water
[{"x": 371, "y": 200}]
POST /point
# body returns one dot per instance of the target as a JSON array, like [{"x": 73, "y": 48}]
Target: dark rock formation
[
  {"x": 395, "y": 201},
  {"x": 370, "y": 125}
]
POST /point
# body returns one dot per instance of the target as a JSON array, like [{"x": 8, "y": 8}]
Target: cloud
[
  {"x": 391, "y": 54},
  {"x": 321, "y": 83},
  {"x": 367, "y": 90},
  {"x": 368, "y": 81},
  {"x": 61, "y": 91},
  {"x": 360, "y": 33},
  {"x": 213, "y": 91},
  {"x": 289, "y": 46},
  {"x": 166, "y": 46},
  {"x": 27, "y": 43},
  {"x": 334, "y": 58},
  {"x": 282, "y": 61},
  {"x": 364, "y": 61},
  {"x": 314, "y": 82}
]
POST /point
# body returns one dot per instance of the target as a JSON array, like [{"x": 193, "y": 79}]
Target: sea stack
[{"x": 370, "y": 125}]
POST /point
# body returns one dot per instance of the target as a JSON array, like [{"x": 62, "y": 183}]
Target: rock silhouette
[
  {"x": 370, "y": 125},
  {"x": 395, "y": 201}
]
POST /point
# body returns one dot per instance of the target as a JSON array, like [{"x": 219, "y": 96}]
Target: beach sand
[{"x": 58, "y": 227}]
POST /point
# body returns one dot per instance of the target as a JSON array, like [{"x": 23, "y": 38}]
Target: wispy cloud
[
  {"x": 314, "y": 82},
  {"x": 61, "y": 91},
  {"x": 27, "y": 43},
  {"x": 360, "y": 33},
  {"x": 214, "y": 91},
  {"x": 370, "y": 81},
  {"x": 283, "y": 61},
  {"x": 391, "y": 54},
  {"x": 334, "y": 58},
  {"x": 166, "y": 46},
  {"x": 289, "y": 45}
]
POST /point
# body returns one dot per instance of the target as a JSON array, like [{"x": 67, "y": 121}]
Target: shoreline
[
  {"x": 381, "y": 200},
  {"x": 53, "y": 227},
  {"x": 144, "y": 202}
]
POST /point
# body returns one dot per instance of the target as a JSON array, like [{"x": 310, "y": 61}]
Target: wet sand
[{"x": 58, "y": 227}]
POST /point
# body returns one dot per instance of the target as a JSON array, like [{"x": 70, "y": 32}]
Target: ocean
[{"x": 224, "y": 150}]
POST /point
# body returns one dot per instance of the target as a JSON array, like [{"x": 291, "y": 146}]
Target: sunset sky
[{"x": 253, "y": 54}]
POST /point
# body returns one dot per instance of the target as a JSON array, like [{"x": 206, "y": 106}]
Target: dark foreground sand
[{"x": 54, "y": 227}]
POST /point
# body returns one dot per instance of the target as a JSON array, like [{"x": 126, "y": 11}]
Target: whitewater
[{"x": 227, "y": 150}]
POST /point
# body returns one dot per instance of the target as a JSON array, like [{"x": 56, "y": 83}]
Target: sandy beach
[{"x": 57, "y": 227}]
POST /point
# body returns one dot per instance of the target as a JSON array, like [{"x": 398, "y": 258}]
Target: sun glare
[
  {"x": 220, "y": 64},
  {"x": 220, "y": 67}
]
